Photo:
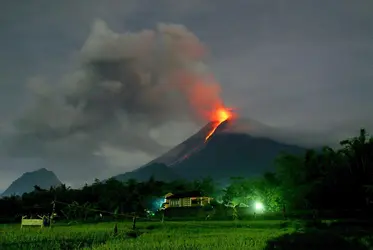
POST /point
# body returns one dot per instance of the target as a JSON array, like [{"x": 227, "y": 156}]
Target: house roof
[
  {"x": 168, "y": 195},
  {"x": 186, "y": 194}
]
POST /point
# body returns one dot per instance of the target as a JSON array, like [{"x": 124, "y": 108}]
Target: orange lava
[{"x": 218, "y": 117}]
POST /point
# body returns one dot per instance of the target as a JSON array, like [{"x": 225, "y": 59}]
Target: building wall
[
  {"x": 186, "y": 202},
  {"x": 189, "y": 202},
  {"x": 174, "y": 202}
]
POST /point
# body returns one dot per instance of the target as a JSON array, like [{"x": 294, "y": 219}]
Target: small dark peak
[
  {"x": 42, "y": 178},
  {"x": 37, "y": 171},
  {"x": 42, "y": 170}
]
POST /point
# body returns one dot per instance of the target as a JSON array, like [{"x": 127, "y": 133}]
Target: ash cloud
[{"x": 125, "y": 86}]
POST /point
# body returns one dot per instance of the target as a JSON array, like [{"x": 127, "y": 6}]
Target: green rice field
[{"x": 174, "y": 235}]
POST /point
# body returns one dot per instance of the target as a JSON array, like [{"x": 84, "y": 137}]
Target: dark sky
[{"x": 306, "y": 65}]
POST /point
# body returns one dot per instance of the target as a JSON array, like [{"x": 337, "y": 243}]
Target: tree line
[
  {"x": 326, "y": 179},
  {"x": 334, "y": 180}
]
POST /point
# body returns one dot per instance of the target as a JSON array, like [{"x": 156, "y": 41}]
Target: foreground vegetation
[
  {"x": 338, "y": 181},
  {"x": 320, "y": 184},
  {"x": 181, "y": 235}
]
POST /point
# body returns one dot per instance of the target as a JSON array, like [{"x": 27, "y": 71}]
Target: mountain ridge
[{"x": 193, "y": 143}]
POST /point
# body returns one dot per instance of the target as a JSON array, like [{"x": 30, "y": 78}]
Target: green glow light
[{"x": 259, "y": 206}]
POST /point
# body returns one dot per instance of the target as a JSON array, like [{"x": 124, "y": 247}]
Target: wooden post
[
  {"x": 134, "y": 221},
  {"x": 284, "y": 211},
  {"x": 23, "y": 217},
  {"x": 163, "y": 211},
  {"x": 116, "y": 229}
]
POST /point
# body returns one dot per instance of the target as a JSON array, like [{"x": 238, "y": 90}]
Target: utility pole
[{"x": 53, "y": 212}]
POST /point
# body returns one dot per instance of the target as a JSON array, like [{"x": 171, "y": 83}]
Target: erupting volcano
[
  {"x": 218, "y": 117},
  {"x": 218, "y": 150}
]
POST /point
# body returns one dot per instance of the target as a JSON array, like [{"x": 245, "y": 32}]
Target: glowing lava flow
[{"x": 220, "y": 115}]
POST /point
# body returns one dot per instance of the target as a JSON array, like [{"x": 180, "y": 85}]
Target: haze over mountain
[{"x": 41, "y": 177}]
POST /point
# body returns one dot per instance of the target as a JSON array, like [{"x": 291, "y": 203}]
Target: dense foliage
[
  {"x": 109, "y": 197},
  {"x": 326, "y": 179},
  {"x": 331, "y": 179}
]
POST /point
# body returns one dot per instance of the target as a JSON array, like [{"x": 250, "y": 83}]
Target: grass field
[{"x": 174, "y": 235}]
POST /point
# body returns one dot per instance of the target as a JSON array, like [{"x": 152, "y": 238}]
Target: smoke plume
[{"x": 125, "y": 86}]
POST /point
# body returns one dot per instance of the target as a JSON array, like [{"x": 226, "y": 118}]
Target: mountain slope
[
  {"x": 228, "y": 153},
  {"x": 159, "y": 168},
  {"x": 184, "y": 149},
  {"x": 159, "y": 171},
  {"x": 42, "y": 178},
  {"x": 231, "y": 155}
]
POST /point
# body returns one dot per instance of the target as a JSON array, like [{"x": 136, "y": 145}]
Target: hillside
[
  {"x": 182, "y": 150},
  {"x": 158, "y": 171},
  {"x": 231, "y": 155},
  {"x": 42, "y": 178}
]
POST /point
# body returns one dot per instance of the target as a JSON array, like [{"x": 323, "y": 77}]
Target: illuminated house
[{"x": 187, "y": 199}]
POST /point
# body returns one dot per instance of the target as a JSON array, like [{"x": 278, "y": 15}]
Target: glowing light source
[{"x": 259, "y": 206}]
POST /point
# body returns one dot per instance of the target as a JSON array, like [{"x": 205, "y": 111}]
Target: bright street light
[{"x": 259, "y": 206}]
